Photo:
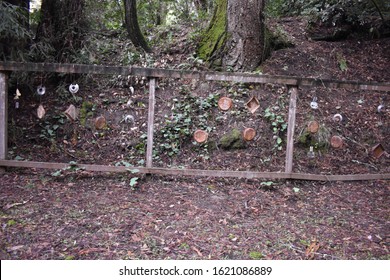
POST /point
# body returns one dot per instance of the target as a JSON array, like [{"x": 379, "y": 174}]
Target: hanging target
[
  {"x": 73, "y": 88},
  {"x": 41, "y": 90},
  {"x": 41, "y": 112}
]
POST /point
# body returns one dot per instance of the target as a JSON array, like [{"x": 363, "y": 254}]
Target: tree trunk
[
  {"x": 62, "y": 27},
  {"x": 132, "y": 25},
  {"x": 201, "y": 5},
  {"x": 235, "y": 39}
]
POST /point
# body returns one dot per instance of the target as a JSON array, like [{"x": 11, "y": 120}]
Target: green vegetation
[
  {"x": 86, "y": 111},
  {"x": 72, "y": 167},
  {"x": 278, "y": 125},
  {"x": 188, "y": 114},
  {"x": 14, "y": 32},
  {"x": 214, "y": 38},
  {"x": 232, "y": 140},
  {"x": 254, "y": 255}
]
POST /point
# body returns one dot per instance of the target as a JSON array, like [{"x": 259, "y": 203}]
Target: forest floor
[{"x": 75, "y": 214}]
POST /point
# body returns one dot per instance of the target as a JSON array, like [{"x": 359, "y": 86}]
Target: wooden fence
[{"x": 293, "y": 83}]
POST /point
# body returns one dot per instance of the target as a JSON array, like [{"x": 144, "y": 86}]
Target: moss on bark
[{"x": 215, "y": 36}]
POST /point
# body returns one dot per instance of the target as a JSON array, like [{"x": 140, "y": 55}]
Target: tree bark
[
  {"x": 132, "y": 26},
  {"x": 244, "y": 47},
  {"x": 62, "y": 26},
  {"x": 235, "y": 39},
  {"x": 201, "y": 5}
]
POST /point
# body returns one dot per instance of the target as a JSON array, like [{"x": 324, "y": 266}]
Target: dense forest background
[
  {"x": 72, "y": 213},
  {"x": 69, "y": 30}
]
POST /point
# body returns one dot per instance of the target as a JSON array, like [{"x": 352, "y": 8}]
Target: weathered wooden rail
[{"x": 153, "y": 73}]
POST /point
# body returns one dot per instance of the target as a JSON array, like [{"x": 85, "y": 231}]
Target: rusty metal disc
[{"x": 200, "y": 136}]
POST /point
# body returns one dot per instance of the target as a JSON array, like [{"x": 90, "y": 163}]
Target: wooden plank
[
  {"x": 98, "y": 69},
  {"x": 198, "y": 173},
  {"x": 210, "y": 76},
  {"x": 291, "y": 129},
  {"x": 3, "y": 115},
  {"x": 251, "y": 78},
  {"x": 152, "y": 102}
]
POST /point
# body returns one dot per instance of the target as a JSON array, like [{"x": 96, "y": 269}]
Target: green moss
[
  {"x": 232, "y": 140},
  {"x": 11, "y": 223},
  {"x": 215, "y": 36},
  {"x": 319, "y": 140},
  {"x": 254, "y": 255},
  {"x": 86, "y": 111}
]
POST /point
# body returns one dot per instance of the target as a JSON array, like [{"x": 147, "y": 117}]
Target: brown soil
[{"x": 73, "y": 214}]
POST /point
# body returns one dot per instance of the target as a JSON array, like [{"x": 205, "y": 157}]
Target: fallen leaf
[
  {"x": 91, "y": 250},
  {"x": 135, "y": 238},
  {"x": 312, "y": 249},
  {"x": 197, "y": 251}
]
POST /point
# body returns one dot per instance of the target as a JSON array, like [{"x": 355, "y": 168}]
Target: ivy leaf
[
  {"x": 296, "y": 190},
  {"x": 133, "y": 181},
  {"x": 343, "y": 65}
]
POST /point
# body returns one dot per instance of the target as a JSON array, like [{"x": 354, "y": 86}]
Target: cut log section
[
  {"x": 313, "y": 127},
  {"x": 249, "y": 134},
  {"x": 225, "y": 103},
  {"x": 336, "y": 142},
  {"x": 100, "y": 123},
  {"x": 200, "y": 136}
]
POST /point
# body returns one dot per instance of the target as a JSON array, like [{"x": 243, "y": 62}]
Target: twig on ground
[
  {"x": 11, "y": 205},
  {"x": 297, "y": 249}
]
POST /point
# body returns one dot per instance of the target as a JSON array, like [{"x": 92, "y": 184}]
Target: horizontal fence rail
[
  {"x": 154, "y": 73},
  {"x": 185, "y": 74},
  {"x": 195, "y": 172}
]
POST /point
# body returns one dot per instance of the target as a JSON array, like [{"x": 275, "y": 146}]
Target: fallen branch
[{"x": 9, "y": 206}]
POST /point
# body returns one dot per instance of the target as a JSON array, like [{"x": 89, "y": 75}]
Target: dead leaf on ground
[
  {"x": 91, "y": 250},
  {"x": 312, "y": 249},
  {"x": 197, "y": 251}
]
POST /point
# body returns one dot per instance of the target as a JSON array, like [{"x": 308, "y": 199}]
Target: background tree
[
  {"x": 235, "y": 37},
  {"x": 132, "y": 26},
  {"x": 14, "y": 29},
  {"x": 61, "y": 29}
]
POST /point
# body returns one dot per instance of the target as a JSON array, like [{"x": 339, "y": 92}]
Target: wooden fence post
[
  {"x": 290, "y": 129},
  {"x": 3, "y": 116},
  {"x": 152, "y": 101}
]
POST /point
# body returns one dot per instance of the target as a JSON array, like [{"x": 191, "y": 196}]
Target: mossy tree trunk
[
  {"x": 132, "y": 26},
  {"x": 235, "y": 37}
]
